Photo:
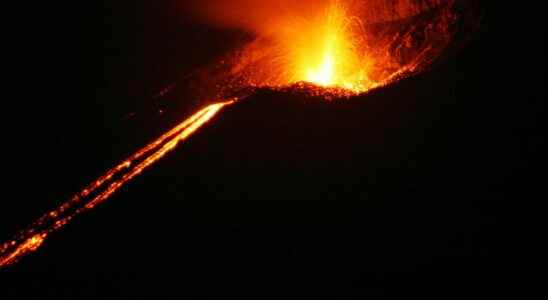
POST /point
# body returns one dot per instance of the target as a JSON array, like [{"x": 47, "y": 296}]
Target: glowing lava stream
[{"x": 100, "y": 190}]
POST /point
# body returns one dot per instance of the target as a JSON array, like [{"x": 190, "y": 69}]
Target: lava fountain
[
  {"x": 326, "y": 50},
  {"x": 324, "y": 47},
  {"x": 340, "y": 48}
]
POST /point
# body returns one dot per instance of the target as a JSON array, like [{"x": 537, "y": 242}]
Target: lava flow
[
  {"x": 101, "y": 189},
  {"x": 329, "y": 48}
]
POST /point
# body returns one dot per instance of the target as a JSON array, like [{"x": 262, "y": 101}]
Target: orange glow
[
  {"x": 101, "y": 189},
  {"x": 343, "y": 47}
]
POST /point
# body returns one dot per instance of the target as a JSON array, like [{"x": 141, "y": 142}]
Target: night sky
[{"x": 418, "y": 189}]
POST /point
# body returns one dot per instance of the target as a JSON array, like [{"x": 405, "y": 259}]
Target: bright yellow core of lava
[
  {"x": 327, "y": 52},
  {"x": 324, "y": 73}
]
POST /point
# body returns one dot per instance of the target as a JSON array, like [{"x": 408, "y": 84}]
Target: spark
[{"x": 100, "y": 190}]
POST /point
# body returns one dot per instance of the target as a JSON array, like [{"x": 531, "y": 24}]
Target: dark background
[{"x": 419, "y": 189}]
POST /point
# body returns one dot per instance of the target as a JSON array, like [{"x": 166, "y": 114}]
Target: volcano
[{"x": 296, "y": 189}]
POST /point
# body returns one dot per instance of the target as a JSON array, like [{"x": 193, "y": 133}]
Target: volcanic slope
[{"x": 305, "y": 192}]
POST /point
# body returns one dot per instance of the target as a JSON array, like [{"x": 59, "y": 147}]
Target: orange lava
[
  {"x": 28, "y": 246},
  {"x": 100, "y": 190}
]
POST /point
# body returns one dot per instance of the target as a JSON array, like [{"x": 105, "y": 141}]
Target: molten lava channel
[{"x": 100, "y": 190}]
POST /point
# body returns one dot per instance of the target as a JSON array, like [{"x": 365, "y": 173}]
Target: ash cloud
[
  {"x": 263, "y": 16},
  {"x": 259, "y": 17}
]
